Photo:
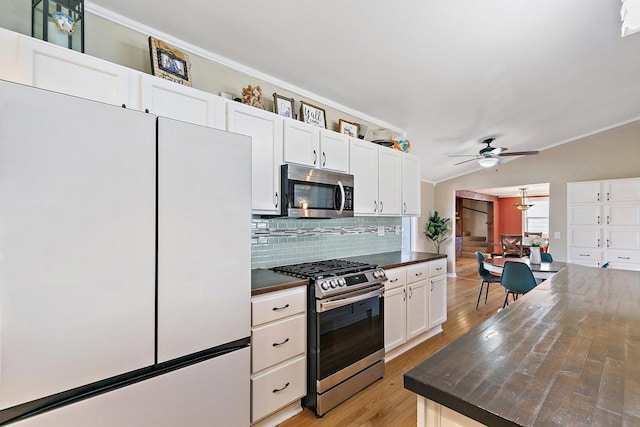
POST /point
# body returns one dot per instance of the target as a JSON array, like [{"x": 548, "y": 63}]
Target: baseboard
[
  {"x": 410, "y": 344},
  {"x": 280, "y": 416}
]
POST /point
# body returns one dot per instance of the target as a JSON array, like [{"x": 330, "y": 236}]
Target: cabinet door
[
  {"x": 622, "y": 190},
  {"x": 585, "y": 256},
  {"x": 417, "y": 308},
  {"x": 334, "y": 151},
  {"x": 623, "y": 214},
  {"x": 301, "y": 143},
  {"x": 585, "y": 237},
  {"x": 389, "y": 182},
  {"x": 623, "y": 238},
  {"x": 589, "y": 191},
  {"x": 265, "y": 130},
  {"x": 66, "y": 71},
  {"x": 410, "y": 185},
  {"x": 584, "y": 214},
  {"x": 437, "y": 300},
  {"x": 165, "y": 98},
  {"x": 363, "y": 165},
  {"x": 395, "y": 317}
]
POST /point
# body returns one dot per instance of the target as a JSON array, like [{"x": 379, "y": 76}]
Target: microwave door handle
[{"x": 342, "y": 197}]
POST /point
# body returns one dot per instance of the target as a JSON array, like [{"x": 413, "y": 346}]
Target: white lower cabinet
[
  {"x": 278, "y": 353},
  {"x": 415, "y": 302}
]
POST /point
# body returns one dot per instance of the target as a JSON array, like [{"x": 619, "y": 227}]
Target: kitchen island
[{"x": 565, "y": 354}]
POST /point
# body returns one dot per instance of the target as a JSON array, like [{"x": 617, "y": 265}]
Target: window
[{"x": 537, "y": 216}]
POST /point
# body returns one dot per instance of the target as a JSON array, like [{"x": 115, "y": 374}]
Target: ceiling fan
[{"x": 490, "y": 156}]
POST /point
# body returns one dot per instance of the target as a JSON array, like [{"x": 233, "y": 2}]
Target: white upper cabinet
[
  {"x": 334, "y": 151},
  {"x": 584, "y": 192},
  {"x": 55, "y": 68},
  {"x": 622, "y": 190},
  {"x": 363, "y": 165},
  {"x": 389, "y": 182},
  {"x": 265, "y": 130},
  {"x": 301, "y": 143},
  {"x": 410, "y": 185},
  {"x": 165, "y": 98},
  {"x": 312, "y": 146}
]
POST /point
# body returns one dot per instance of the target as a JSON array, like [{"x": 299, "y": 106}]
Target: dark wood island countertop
[{"x": 565, "y": 354}]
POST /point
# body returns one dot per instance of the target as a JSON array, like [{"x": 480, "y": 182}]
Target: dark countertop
[
  {"x": 264, "y": 280},
  {"x": 565, "y": 354}
]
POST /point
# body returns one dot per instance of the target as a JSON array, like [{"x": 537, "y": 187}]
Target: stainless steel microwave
[{"x": 315, "y": 193}]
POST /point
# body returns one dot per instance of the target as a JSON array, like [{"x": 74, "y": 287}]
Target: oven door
[{"x": 350, "y": 330}]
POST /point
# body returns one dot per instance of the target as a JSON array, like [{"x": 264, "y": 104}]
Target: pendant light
[{"x": 523, "y": 205}]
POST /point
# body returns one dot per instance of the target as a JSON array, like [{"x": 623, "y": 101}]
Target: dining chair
[
  {"x": 486, "y": 277},
  {"x": 511, "y": 245},
  {"x": 546, "y": 257},
  {"x": 517, "y": 279}
]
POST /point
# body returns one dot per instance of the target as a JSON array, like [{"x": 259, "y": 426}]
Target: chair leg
[
  {"x": 506, "y": 300},
  {"x": 480, "y": 293},
  {"x": 486, "y": 295}
]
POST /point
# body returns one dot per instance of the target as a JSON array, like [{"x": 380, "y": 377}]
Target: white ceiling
[
  {"x": 530, "y": 189},
  {"x": 534, "y": 73}
]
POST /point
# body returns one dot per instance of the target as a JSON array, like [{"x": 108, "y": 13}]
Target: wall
[
  {"x": 121, "y": 45},
  {"x": 510, "y": 217},
  {"x": 474, "y": 217},
  {"x": 610, "y": 154},
  {"x": 281, "y": 241},
  {"x": 427, "y": 194}
]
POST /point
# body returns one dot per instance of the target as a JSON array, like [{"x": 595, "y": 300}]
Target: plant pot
[{"x": 534, "y": 255}]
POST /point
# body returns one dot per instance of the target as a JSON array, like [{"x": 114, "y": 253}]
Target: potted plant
[{"x": 437, "y": 229}]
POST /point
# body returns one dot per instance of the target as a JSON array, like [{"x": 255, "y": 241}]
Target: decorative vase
[{"x": 534, "y": 255}]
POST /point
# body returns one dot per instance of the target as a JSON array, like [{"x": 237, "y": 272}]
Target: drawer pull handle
[
  {"x": 280, "y": 308},
  {"x": 419, "y": 274},
  {"x": 624, "y": 257},
  {"x": 584, "y": 255},
  {"x": 393, "y": 280},
  {"x": 276, "y": 344},
  {"x": 438, "y": 268},
  {"x": 276, "y": 390}
]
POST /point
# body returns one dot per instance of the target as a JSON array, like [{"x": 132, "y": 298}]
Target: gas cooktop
[{"x": 319, "y": 269}]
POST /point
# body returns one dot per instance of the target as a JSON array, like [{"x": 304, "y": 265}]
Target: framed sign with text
[{"x": 312, "y": 115}]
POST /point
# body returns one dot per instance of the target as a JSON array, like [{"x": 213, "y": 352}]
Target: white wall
[{"x": 611, "y": 154}]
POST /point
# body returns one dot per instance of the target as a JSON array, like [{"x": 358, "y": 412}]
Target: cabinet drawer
[
  {"x": 396, "y": 277},
  {"x": 278, "y": 387},
  {"x": 622, "y": 255},
  {"x": 438, "y": 267},
  {"x": 417, "y": 272},
  {"x": 277, "y": 305},
  {"x": 277, "y": 342},
  {"x": 585, "y": 254}
]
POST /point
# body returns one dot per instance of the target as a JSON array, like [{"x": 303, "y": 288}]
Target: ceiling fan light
[{"x": 487, "y": 162}]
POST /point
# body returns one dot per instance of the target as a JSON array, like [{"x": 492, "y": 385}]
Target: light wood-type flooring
[{"x": 386, "y": 402}]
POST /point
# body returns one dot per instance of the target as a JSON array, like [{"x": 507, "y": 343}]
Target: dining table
[{"x": 544, "y": 270}]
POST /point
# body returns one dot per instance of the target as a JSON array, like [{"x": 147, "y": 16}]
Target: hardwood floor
[{"x": 386, "y": 402}]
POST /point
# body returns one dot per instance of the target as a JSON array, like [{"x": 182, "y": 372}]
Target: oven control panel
[{"x": 344, "y": 283}]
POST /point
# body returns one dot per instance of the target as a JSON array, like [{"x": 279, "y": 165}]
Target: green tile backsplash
[{"x": 280, "y": 241}]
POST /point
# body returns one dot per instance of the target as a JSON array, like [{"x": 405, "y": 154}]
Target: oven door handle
[{"x": 330, "y": 305}]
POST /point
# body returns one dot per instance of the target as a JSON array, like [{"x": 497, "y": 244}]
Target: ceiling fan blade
[
  {"x": 520, "y": 153},
  {"x": 466, "y": 161}
]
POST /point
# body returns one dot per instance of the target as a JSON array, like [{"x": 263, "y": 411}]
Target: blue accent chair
[
  {"x": 517, "y": 279},
  {"x": 486, "y": 277},
  {"x": 546, "y": 257}
]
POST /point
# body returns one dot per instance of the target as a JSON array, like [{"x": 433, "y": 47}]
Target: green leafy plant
[{"x": 437, "y": 229}]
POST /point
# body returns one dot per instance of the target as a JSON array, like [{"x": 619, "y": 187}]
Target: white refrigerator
[{"x": 124, "y": 266}]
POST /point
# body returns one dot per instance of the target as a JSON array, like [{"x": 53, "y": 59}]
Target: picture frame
[
  {"x": 169, "y": 63},
  {"x": 349, "y": 128},
  {"x": 282, "y": 105},
  {"x": 312, "y": 115}
]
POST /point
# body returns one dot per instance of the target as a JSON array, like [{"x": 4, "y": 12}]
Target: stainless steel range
[{"x": 345, "y": 336}]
